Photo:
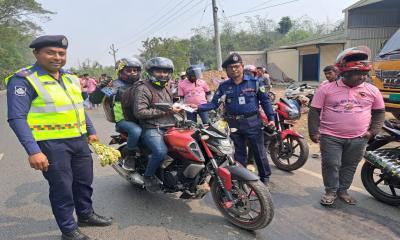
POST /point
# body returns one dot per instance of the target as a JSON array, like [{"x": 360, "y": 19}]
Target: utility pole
[
  {"x": 217, "y": 40},
  {"x": 113, "y": 52}
]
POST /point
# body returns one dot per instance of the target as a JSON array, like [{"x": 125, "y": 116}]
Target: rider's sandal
[
  {"x": 344, "y": 196},
  {"x": 328, "y": 199}
]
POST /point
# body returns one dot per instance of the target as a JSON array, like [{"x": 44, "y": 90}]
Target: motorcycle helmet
[
  {"x": 125, "y": 63},
  {"x": 159, "y": 63},
  {"x": 354, "y": 59},
  {"x": 250, "y": 70},
  {"x": 193, "y": 73},
  {"x": 290, "y": 109}
]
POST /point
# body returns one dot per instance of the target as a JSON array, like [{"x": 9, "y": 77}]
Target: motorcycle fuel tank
[{"x": 182, "y": 142}]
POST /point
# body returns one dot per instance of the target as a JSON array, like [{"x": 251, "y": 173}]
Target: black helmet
[
  {"x": 125, "y": 62},
  {"x": 159, "y": 63},
  {"x": 193, "y": 72}
]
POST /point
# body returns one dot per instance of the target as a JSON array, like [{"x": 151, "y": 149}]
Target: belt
[{"x": 240, "y": 117}]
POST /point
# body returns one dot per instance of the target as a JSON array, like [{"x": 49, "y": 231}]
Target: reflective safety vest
[{"x": 56, "y": 113}]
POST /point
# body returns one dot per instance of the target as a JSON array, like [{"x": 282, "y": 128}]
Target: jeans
[
  {"x": 340, "y": 157},
  {"x": 134, "y": 131},
  {"x": 154, "y": 140},
  {"x": 193, "y": 116}
]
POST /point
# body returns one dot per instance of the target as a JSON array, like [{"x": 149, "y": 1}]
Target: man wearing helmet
[
  {"x": 153, "y": 121},
  {"x": 344, "y": 114},
  {"x": 128, "y": 71},
  {"x": 194, "y": 90}
]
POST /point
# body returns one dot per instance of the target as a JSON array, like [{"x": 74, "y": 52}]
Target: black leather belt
[{"x": 240, "y": 117}]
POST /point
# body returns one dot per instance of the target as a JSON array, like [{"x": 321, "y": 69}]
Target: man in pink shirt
[
  {"x": 344, "y": 114},
  {"x": 194, "y": 91}
]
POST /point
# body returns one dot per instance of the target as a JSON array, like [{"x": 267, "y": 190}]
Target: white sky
[{"x": 93, "y": 25}]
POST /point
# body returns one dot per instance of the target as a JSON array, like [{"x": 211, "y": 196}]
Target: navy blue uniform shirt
[
  {"x": 20, "y": 95},
  {"x": 242, "y": 99}
]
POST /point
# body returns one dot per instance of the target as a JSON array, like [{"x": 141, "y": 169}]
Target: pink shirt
[
  {"x": 91, "y": 85},
  {"x": 194, "y": 93},
  {"x": 345, "y": 111}
]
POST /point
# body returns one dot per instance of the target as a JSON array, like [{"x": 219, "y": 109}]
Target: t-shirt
[
  {"x": 194, "y": 93},
  {"x": 346, "y": 111}
]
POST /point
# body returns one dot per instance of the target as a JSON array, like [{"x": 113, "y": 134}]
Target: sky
[{"x": 91, "y": 26}]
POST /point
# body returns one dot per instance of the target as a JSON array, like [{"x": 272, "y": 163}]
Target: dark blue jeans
[
  {"x": 154, "y": 140},
  {"x": 134, "y": 131},
  {"x": 193, "y": 116}
]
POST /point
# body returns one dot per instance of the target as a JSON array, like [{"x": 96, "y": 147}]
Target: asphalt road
[{"x": 25, "y": 211}]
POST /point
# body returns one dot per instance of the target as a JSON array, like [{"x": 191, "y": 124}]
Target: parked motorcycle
[
  {"x": 380, "y": 173},
  {"x": 288, "y": 149},
  {"x": 296, "y": 91},
  {"x": 200, "y": 156}
]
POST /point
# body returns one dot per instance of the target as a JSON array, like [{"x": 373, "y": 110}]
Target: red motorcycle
[
  {"x": 287, "y": 148},
  {"x": 200, "y": 156}
]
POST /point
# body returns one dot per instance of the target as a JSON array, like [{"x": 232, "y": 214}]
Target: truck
[{"x": 386, "y": 73}]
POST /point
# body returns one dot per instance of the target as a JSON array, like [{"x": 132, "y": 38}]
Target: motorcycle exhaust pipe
[{"x": 134, "y": 178}]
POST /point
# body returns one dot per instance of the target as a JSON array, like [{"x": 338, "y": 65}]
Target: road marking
[
  {"x": 1, "y": 155},
  {"x": 317, "y": 175}
]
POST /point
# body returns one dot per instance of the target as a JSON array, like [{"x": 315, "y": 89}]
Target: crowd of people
[{"x": 46, "y": 110}]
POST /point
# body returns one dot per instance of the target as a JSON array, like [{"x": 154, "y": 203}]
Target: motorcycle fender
[
  {"x": 289, "y": 132},
  {"x": 241, "y": 173},
  {"x": 226, "y": 178}
]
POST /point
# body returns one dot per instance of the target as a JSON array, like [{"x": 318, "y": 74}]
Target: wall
[
  {"x": 283, "y": 63},
  {"x": 328, "y": 54}
]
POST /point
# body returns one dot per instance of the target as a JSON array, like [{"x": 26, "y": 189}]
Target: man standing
[
  {"x": 243, "y": 96},
  {"x": 331, "y": 74},
  {"x": 344, "y": 114},
  {"x": 45, "y": 110},
  {"x": 194, "y": 90}
]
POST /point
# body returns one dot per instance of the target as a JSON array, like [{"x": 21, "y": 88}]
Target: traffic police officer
[
  {"x": 243, "y": 95},
  {"x": 45, "y": 110}
]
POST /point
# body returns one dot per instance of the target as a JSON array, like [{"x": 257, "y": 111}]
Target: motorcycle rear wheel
[
  {"x": 368, "y": 175},
  {"x": 246, "y": 193},
  {"x": 289, "y": 160}
]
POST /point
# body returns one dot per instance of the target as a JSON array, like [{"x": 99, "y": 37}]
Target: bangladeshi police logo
[
  {"x": 235, "y": 58},
  {"x": 20, "y": 91}
]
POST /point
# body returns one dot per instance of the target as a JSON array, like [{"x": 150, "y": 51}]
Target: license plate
[{"x": 394, "y": 97}]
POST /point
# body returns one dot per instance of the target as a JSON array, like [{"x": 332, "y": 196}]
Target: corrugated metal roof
[
  {"x": 333, "y": 38},
  {"x": 361, "y": 3}
]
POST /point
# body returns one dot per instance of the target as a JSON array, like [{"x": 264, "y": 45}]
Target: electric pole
[
  {"x": 217, "y": 40},
  {"x": 113, "y": 52}
]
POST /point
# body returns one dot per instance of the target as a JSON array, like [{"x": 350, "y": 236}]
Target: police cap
[
  {"x": 50, "y": 41},
  {"x": 232, "y": 59}
]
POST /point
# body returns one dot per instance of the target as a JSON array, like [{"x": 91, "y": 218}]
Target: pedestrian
[
  {"x": 331, "y": 73},
  {"x": 91, "y": 87},
  {"x": 84, "y": 88},
  {"x": 344, "y": 114},
  {"x": 243, "y": 96},
  {"x": 263, "y": 74},
  {"x": 45, "y": 110},
  {"x": 194, "y": 90}
]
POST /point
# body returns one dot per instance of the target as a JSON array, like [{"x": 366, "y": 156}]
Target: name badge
[{"x": 242, "y": 100}]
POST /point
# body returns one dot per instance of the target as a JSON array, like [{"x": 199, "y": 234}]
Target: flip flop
[
  {"x": 347, "y": 198},
  {"x": 328, "y": 199}
]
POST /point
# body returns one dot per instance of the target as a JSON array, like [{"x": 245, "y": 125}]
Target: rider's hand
[
  {"x": 315, "y": 138},
  {"x": 271, "y": 123},
  {"x": 192, "y": 105},
  {"x": 39, "y": 161},
  {"x": 176, "y": 109},
  {"x": 367, "y": 135},
  {"x": 93, "y": 138}
]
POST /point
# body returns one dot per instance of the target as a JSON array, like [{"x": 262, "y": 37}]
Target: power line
[
  {"x": 146, "y": 28},
  {"x": 204, "y": 11},
  {"x": 271, "y": 6},
  {"x": 259, "y": 5},
  {"x": 152, "y": 30}
]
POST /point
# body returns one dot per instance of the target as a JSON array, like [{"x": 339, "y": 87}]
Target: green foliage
[
  {"x": 256, "y": 33},
  {"x": 285, "y": 24},
  {"x": 16, "y": 32},
  {"x": 94, "y": 69}
]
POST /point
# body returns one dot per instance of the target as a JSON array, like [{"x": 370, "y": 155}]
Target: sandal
[
  {"x": 328, "y": 199},
  {"x": 344, "y": 196}
]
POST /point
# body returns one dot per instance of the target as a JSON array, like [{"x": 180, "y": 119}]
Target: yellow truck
[{"x": 386, "y": 74}]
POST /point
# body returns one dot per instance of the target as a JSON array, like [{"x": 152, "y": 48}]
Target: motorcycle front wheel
[
  {"x": 252, "y": 207},
  {"x": 380, "y": 185},
  {"x": 292, "y": 155}
]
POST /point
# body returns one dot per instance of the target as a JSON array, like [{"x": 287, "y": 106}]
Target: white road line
[
  {"x": 1, "y": 155},
  {"x": 317, "y": 175}
]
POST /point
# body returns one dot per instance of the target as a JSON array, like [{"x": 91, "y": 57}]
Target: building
[{"x": 371, "y": 23}]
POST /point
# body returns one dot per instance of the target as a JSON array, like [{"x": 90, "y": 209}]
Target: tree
[
  {"x": 285, "y": 24},
  {"x": 17, "y": 30}
]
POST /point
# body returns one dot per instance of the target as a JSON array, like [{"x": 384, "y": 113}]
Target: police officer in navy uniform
[
  {"x": 243, "y": 95},
  {"x": 45, "y": 110}
]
